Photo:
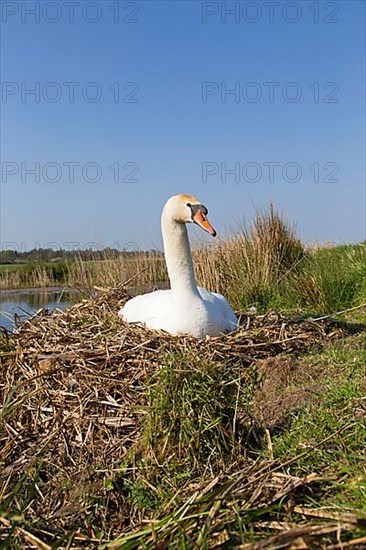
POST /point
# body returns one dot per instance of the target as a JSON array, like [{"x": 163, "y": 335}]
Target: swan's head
[{"x": 187, "y": 209}]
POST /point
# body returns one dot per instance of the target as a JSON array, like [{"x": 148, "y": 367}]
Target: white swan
[{"x": 185, "y": 308}]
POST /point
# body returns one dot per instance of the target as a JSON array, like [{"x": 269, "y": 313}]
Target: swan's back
[{"x": 208, "y": 314}]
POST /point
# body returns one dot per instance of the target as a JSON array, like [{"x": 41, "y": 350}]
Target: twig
[
  {"x": 269, "y": 443},
  {"x": 361, "y": 542},
  {"x": 338, "y": 313}
]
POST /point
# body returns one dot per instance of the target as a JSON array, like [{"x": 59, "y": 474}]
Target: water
[{"x": 19, "y": 305}]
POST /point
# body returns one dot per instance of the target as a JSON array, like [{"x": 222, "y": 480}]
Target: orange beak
[{"x": 202, "y": 220}]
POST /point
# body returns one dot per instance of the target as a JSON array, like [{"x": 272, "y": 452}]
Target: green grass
[
  {"x": 26, "y": 267},
  {"x": 192, "y": 407},
  {"x": 190, "y": 430},
  {"x": 326, "y": 281},
  {"x": 331, "y": 280},
  {"x": 10, "y": 268},
  {"x": 340, "y": 371}
]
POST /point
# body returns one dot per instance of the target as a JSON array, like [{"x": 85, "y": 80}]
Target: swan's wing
[
  {"x": 160, "y": 311},
  {"x": 220, "y": 303},
  {"x": 146, "y": 308}
]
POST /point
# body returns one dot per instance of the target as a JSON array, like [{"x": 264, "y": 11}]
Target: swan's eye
[{"x": 189, "y": 204}]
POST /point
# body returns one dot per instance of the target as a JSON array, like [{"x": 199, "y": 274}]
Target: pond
[{"x": 18, "y": 305}]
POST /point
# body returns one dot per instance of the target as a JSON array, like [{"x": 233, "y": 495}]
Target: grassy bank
[{"x": 113, "y": 436}]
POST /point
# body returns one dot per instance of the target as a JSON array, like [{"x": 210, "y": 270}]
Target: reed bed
[
  {"x": 116, "y": 436},
  {"x": 84, "y": 274},
  {"x": 109, "y": 272},
  {"x": 263, "y": 265},
  {"x": 254, "y": 259},
  {"x": 37, "y": 276}
]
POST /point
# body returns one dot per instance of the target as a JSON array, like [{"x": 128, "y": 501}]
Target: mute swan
[{"x": 185, "y": 308}]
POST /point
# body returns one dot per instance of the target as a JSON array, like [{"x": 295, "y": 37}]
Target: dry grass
[
  {"x": 249, "y": 267},
  {"x": 38, "y": 276},
  {"x": 109, "y": 273},
  {"x": 105, "y": 426},
  {"x": 84, "y": 274},
  {"x": 255, "y": 260}
]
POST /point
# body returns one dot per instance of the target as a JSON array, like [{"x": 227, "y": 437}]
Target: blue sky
[{"x": 172, "y": 135}]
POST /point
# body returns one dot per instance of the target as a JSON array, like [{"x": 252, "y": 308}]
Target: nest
[{"x": 73, "y": 389}]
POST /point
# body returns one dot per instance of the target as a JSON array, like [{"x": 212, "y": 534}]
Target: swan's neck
[{"x": 178, "y": 257}]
